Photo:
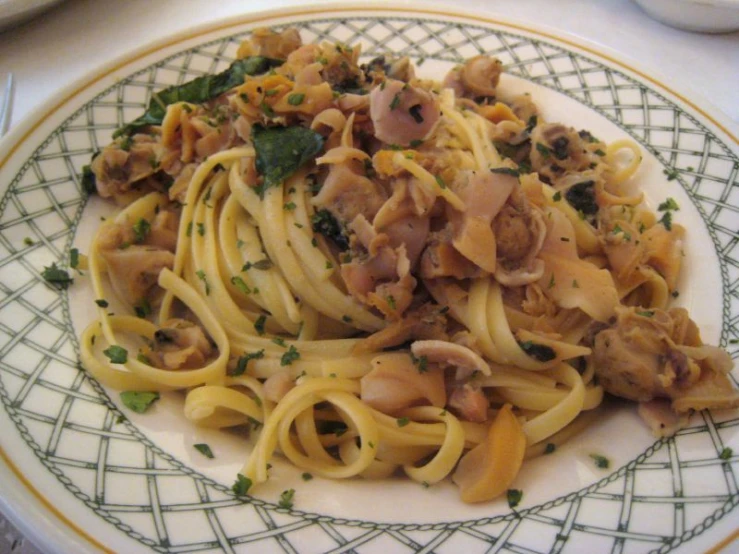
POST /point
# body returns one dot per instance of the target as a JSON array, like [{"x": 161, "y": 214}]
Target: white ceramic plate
[{"x": 77, "y": 479}]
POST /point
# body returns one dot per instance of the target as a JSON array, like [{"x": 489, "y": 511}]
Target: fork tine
[{"x": 7, "y": 104}]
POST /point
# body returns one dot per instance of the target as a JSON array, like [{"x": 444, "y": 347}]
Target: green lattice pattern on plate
[{"x": 38, "y": 349}]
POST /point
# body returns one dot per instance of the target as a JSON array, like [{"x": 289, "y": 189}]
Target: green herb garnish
[
  {"x": 514, "y": 497},
  {"x": 57, "y": 276},
  {"x": 204, "y": 449},
  {"x": 116, "y": 354},
  {"x": 139, "y": 401},
  {"x": 242, "y": 485},
  {"x": 290, "y": 356},
  {"x": 600, "y": 461},
  {"x": 286, "y": 499}
]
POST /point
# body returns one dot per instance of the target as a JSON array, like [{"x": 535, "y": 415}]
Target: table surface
[{"x": 75, "y": 37}]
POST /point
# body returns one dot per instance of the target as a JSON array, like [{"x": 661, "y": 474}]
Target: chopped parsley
[
  {"x": 101, "y": 302},
  {"x": 290, "y": 356},
  {"x": 395, "y": 101},
  {"x": 74, "y": 258},
  {"x": 726, "y": 453},
  {"x": 557, "y": 196},
  {"x": 668, "y": 205},
  {"x": 28, "y": 241},
  {"x": 243, "y": 361},
  {"x": 307, "y": 476},
  {"x": 671, "y": 174},
  {"x": 420, "y": 362},
  {"x": 506, "y": 171},
  {"x": 391, "y": 301},
  {"x": 201, "y": 229},
  {"x": 143, "y": 309},
  {"x": 645, "y": 313},
  {"x": 549, "y": 448},
  {"x": 57, "y": 276},
  {"x": 286, "y": 499},
  {"x": 262, "y": 265},
  {"x": 289, "y": 206},
  {"x": 116, "y": 354},
  {"x": 666, "y": 220},
  {"x": 139, "y": 401},
  {"x": 402, "y": 421},
  {"x": 601, "y": 462},
  {"x": 242, "y": 485},
  {"x": 204, "y": 449},
  {"x": 201, "y": 275},
  {"x": 440, "y": 182},
  {"x": 543, "y": 149},
  {"x": 239, "y": 283},
  {"x": 141, "y": 230},
  {"x": 514, "y": 497},
  {"x": 259, "y": 324}
]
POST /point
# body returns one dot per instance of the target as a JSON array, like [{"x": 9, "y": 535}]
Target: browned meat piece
[
  {"x": 394, "y": 383},
  {"x": 402, "y": 113},
  {"x": 268, "y": 43},
  {"x": 347, "y": 193},
  {"x": 134, "y": 270},
  {"x": 133, "y": 264},
  {"x": 124, "y": 163},
  {"x": 648, "y": 354},
  {"x": 426, "y": 322},
  {"x": 477, "y": 78},
  {"x": 441, "y": 259},
  {"x": 469, "y": 402},
  {"x": 180, "y": 344},
  {"x": 556, "y": 149}
]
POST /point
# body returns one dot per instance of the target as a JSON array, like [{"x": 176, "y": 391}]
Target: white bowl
[{"x": 707, "y": 16}]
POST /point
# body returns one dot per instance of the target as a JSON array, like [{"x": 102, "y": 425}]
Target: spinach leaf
[
  {"x": 581, "y": 196},
  {"x": 540, "y": 352},
  {"x": 199, "y": 90},
  {"x": 327, "y": 225},
  {"x": 281, "y": 151}
]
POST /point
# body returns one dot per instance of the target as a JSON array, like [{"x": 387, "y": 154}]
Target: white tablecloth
[{"x": 64, "y": 44}]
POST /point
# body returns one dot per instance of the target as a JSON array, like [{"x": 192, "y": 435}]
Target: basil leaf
[
  {"x": 138, "y": 401},
  {"x": 198, "y": 90},
  {"x": 281, "y": 151}
]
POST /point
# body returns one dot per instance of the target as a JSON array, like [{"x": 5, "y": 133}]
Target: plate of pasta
[{"x": 372, "y": 280}]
